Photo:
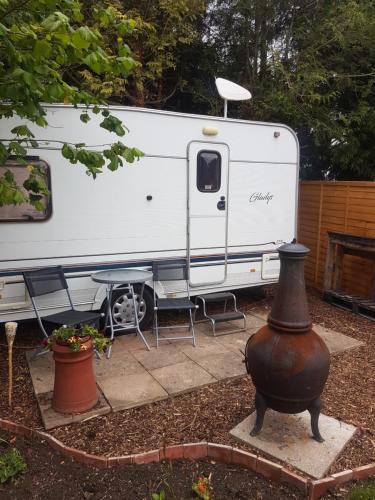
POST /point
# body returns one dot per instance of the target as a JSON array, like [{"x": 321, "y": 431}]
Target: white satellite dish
[{"x": 230, "y": 91}]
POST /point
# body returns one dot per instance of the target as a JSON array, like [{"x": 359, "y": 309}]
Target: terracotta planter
[{"x": 75, "y": 388}]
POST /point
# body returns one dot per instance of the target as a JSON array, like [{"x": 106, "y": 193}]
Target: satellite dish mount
[{"x": 230, "y": 91}]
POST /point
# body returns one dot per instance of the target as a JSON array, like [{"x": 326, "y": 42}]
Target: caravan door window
[
  {"x": 20, "y": 172},
  {"x": 208, "y": 171}
]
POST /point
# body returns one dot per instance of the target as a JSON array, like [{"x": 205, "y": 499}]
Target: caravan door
[{"x": 208, "y": 178}]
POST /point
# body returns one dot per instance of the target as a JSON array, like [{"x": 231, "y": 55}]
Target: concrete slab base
[
  {"x": 288, "y": 438},
  {"x": 53, "y": 419}
]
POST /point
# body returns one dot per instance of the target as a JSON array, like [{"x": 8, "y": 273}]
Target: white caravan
[{"x": 221, "y": 192}]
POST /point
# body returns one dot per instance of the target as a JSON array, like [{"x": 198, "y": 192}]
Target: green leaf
[
  {"x": 22, "y": 130},
  {"x": 77, "y": 14},
  {"x": 18, "y": 198},
  {"x": 84, "y": 117},
  {"x": 126, "y": 64},
  {"x": 3, "y": 154},
  {"x": 68, "y": 153},
  {"x": 16, "y": 149},
  {"x": 137, "y": 152},
  {"x": 128, "y": 155},
  {"x": 113, "y": 124},
  {"x": 42, "y": 48},
  {"x": 92, "y": 62},
  {"x": 4, "y": 4},
  {"x": 83, "y": 37},
  {"x": 3, "y": 29},
  {"x": 55, "y": 21}
]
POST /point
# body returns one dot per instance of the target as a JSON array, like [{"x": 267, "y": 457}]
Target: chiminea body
[{"x": 287, "y": 361}]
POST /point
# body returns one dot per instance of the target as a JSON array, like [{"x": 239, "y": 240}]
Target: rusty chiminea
[{"x": 287, "y": 361}]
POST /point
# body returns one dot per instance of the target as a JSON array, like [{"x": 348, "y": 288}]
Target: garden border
[{"x": 314, "y": 489}]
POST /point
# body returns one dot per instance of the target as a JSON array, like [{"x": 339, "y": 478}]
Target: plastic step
[
  {"x": 216, "y": 297},
  {"x": 226, "y": 316}
]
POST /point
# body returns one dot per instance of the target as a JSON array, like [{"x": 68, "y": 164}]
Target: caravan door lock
[{"x": 221, "y": 203}]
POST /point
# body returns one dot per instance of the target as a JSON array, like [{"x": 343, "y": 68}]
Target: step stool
[{"x": 225, "y": 316}]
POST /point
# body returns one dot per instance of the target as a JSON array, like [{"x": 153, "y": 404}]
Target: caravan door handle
[{"x": 221, "y": 204}]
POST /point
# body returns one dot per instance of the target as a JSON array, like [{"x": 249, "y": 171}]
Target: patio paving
[
  {"x": 134, "y": 376},
  {"x": 288, "y": 438}
]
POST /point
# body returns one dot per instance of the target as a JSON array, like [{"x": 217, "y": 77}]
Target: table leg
[
  {"x": 109, "y": 317},
  {"x": 136, "y": 321}
]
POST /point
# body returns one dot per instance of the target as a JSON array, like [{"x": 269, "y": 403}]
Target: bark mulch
[{"x": 209, "y": 413}]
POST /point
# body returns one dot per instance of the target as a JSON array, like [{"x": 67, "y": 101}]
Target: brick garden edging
[{"x": 314, "y": 489}]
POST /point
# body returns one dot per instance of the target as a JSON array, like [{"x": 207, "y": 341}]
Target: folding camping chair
[
  {"x": 173, "y": 270},
  {"x": 49, "y": 280}
]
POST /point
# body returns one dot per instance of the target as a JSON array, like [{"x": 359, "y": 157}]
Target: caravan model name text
[{"x": 260, "y": 197}]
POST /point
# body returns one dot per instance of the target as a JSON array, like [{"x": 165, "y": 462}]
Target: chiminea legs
[
  {"x": 261, "y": 407},
  {"x": 314, "y": 411}
]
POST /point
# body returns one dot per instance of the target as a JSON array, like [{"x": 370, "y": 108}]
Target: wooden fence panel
[{"x": 343, "y": 206}]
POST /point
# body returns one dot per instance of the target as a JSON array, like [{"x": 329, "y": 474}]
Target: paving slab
[
  {"x": 119, "y": 364},
  {"x": 53, "y": 419},
  {"x": 203, "y": 350},
  {"x": 288, "y": 438},
  {"x": 182, "y": 377},
  {"x": 129, "y": 391},
  {"x": 335, "y": 341},
  {"x": 237, "y": 341},
  {"x": 42, "y": 371},
  {"x": 132, "y": 342},
  {"x": 221, "y": 366},
  {"x": 260, "y": 312},
  {"x": 163, "y": 356},
  {"x": 255, "y": 322}
]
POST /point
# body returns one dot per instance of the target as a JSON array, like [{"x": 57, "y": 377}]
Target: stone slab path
[
  {"x": 288, "y": 438},
  {"x": 134, "y": 376}
]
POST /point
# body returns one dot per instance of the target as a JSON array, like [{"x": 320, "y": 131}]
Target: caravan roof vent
[{"x": 230, "y": 91}]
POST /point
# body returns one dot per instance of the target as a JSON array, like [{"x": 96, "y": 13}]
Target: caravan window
[
  {"x": 20, "y": 172},
  {"x": 208, "y": 171}
]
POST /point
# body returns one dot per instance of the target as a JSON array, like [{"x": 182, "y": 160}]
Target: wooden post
[
  {"x": 329, "y": 266},
  {"x": 338, "y": 267},
  {"x": 318, "y": 239}
]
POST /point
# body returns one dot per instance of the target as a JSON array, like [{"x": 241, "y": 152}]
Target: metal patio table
[{"x": 126, "y": 278}]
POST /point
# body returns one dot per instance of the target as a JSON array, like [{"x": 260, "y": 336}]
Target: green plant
[
  {"x": 202, "y": 487},
  {"x": 75, "y": 337},
  {"x": 158, "y": 496},
  {"x": 11, "y": 463},
  {"x": 364, "y": 491}
]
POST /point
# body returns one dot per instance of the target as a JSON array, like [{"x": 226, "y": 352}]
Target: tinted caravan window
[
  {"x": 208, "y": 171},
  {"x": 26, "y": 212}
]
